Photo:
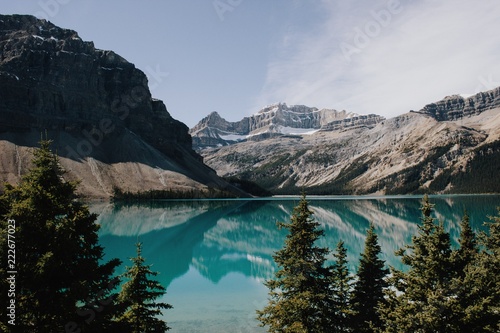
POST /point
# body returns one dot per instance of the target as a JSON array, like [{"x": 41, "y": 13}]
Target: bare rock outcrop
[
  {"x": 455, "y": 107},
  {"x": 95, "y": 105}
]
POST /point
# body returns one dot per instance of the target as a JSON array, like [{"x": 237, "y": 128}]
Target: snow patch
[
  {"x": 296, "y": 131},
  {"x": 465, "y": 95},
  {"x": 234, "y": 137},
  {"x": 43, "y": 38}
]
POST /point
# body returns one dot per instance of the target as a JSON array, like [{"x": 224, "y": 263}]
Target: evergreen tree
[
  {"x": 493, "y": 246},
  {"x": 299, "y": 296},
  {"x": 487, "y": 280},
  {"x": 468, "y": 249},
  {"x": 471, "y": 283},
  {"x": 341, "y": 291},
  {"x": 61, "y": 284},
  {"x": 368, "y": 293},
  {"x": 422, "y": 298},
  {"x": 139, "y": 294}
]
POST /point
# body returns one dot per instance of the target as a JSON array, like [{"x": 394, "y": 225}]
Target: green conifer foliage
[
  {"x": 422, "y": 299},
  {"x": 468, "y": 249},
  {"x": 139, "y": 294},
  {"x": 299, "y": 296},
  {"x": 61, "y": 283},
  {"x": 470, "y": 283},
  {"x": 341, "y": 281},
  {"x": 486, "y": 281},
  {"x": 368, "y": 293}
]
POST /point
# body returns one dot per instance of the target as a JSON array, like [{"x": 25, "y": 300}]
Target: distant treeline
[
  {"x": 249, "y": 186},
  {"x": 210, "y": 193},
  {"x": 477, "y": 175}
]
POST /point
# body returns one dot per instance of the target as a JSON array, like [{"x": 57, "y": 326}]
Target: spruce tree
[
  {"x": 61, "y": 283},
  {"x": 340, "y": 284},
  {"x": 471, "y": 283},
  {"x": 487, "y": 282},
  {"x": 422, "y": 299},
  {"x": 299, "y": 296},
  {"x": 139, "y": 295},
  {"x": 468, "y": 249},
  {"x": 368, "y": 292}
]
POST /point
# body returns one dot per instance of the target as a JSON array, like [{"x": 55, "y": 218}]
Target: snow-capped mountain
[
  {"x": 273, "y": 121},
  {"x": 449, "y": 146}
]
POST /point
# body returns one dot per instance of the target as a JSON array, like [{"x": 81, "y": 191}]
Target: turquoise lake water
[{"x": 213, "y": 255}]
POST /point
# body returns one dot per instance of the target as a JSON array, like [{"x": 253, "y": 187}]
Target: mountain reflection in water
[{"x": 217, "y": 237}]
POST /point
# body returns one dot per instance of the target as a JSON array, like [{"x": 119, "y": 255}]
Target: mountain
[
  {"x": 456, "y": 107},
  {"x": 274, "y": 121},
  {"x": 97, "y": 108},
  {"x": 450, "y": 146}
]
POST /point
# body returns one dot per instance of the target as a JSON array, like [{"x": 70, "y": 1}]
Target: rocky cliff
[
  {"x": 450, "y": 146},
  {"x": 96, "y": 106},
  {"x": 274, "y": 121},
  {"x": 456, "y": 106}
]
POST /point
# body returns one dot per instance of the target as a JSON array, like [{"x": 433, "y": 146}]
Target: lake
[{"x": 213, "y": 255}]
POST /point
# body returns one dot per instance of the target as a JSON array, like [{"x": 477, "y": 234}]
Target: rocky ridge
[
  {"x": 96, "y": 106},
  {"x": 274, "y": 121},
  {"x": 451, "y": 146},
  {"x": 456, "y": 107}
]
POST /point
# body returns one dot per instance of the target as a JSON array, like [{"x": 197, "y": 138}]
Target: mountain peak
[
  {"x": 274, "y": 120},
  {"x": 29, "y": 26},
  {"x": 97, "y": 108},
  {"x": 279, "y": 107},
  {"x": 214, "y": 114}
]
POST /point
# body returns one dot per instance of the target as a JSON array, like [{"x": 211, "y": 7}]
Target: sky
[{"x": 385, "y": 57}]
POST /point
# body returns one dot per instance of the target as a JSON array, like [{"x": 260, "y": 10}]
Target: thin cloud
[{"x": 422, "y": 52}]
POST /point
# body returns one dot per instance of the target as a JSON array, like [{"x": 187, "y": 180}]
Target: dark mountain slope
[{"x": 96, "y": 106}]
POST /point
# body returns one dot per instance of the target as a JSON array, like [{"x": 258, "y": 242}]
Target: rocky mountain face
[
  {"x": 456, "y": 107},
  {"x": 451, "y": 146},
  {"x": 96, "y": 106},
  {"x": 274, "y": 121}
]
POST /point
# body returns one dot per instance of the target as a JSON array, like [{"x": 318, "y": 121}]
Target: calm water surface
[{"x": 213, "y": 255}]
